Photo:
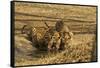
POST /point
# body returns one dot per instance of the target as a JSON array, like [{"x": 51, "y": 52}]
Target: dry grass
[
  {"x": 77, "y": 51},
  {"x": 79, "y": 19}
]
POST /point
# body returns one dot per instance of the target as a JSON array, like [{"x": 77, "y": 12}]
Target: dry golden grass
[
  {"x": 80, "y": 50},
  {"x": 79, "y": 19}
]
